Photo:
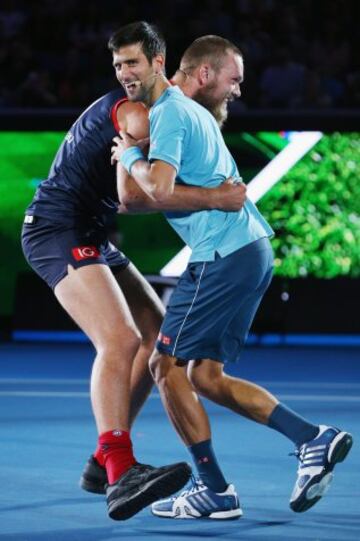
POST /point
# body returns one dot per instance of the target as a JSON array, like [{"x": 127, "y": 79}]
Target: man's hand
[
  {"x": 229, "y": 196},
  {"x": 124, "y": 142}
]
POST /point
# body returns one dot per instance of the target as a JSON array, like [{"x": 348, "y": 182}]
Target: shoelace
[
  {"x": 309, "y": 456},
  {"x": 196, "y": 484}
]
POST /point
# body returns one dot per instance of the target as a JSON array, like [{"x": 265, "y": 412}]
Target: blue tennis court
[{"x": 48, "y": 432}]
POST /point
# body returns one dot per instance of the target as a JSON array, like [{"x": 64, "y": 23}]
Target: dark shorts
[
  {"x": 50, "y": 247},
  {"x": 214, "y": 303}
]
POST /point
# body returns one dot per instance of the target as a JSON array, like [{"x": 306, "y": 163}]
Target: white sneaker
[
  {"x": 317, "y": 459},
  {"x": 200, "y": 502}
]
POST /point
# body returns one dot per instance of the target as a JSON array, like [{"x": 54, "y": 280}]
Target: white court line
[
  {"x": 42, "y": 381},
  {"x": 46, "y": 394},
  {"x": 311, "y": 384},
  {"x": 319, "y": 398},
  {"x": 79, "y": 394},
  {"x": 293, "y": 384}
]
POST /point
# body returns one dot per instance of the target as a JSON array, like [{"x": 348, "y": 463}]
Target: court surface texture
[{"x": 47, "y": 433}]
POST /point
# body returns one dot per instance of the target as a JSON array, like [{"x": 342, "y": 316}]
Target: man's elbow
[{"x": 130, "y": 199}]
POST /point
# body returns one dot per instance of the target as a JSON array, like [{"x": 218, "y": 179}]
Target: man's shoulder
[
  {"x": 189, "y": 106},
  {"x": 177, "y": 105},
  {"x": 173, "y": 107}
]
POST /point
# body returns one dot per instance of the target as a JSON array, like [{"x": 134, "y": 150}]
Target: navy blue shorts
[
  {"x": 214, "y": 303},
  {"x": 50, "y": 247}
]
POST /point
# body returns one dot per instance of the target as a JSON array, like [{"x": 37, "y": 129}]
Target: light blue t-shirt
[{"x": 185, "y": 135}]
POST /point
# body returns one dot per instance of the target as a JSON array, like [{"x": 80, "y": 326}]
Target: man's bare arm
[
  {"x": 226, "y": 197},
  {"x": 133, "y": 117}
]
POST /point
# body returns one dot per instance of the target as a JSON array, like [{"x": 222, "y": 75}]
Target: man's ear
[
  {"x": 158, "y": 63},
  {"x": 204, "y": 74}
]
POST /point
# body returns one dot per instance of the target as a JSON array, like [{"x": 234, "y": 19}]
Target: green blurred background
[{"x": 314, "y": 209}]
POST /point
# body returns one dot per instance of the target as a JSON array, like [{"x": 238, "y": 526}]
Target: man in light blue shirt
[
  {"x": 185, "y": 135},
  {"x": 213, "y": 305}
]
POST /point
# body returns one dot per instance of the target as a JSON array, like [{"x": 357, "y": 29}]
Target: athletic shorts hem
[
  {"x": 193, "y": 355},
  {"x": 114, "y": 269},
  {"x": 58, "y": 279}
]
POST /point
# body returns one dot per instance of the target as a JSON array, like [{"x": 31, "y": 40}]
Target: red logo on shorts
[
  {"x": 166, "y": 340},
  {"x": 85, "y": 252}
]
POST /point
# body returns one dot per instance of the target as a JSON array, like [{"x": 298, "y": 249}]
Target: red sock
[
  {"x": 116, "y": 449},
  {"x": 98, "y": 455}
]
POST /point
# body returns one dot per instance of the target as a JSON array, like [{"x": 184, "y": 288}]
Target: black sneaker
[
  {"x": 142, "y": 485},
  {"x": 94, "y": 477}
]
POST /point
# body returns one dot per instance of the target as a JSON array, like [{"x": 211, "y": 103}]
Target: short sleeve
[{"x": 167, "y": 134}]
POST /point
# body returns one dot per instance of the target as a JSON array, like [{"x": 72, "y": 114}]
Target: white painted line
[
  {"x": 46, "y": 394},
  {"x": 79, "y": 394},
  {"x": 300, "y": 144},
  {"x": 42, "y": 381},
  {"x": 275, "y": 383},
  {"x": 177, "y": 264},
  {"x": 310, "y": 385},
  {"x": 319, "y": 398}
]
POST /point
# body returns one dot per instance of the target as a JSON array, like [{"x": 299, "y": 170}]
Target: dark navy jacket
[{"x": 81, "y": 181}]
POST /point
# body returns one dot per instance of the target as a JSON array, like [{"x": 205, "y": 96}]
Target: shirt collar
[{"x": 168, "y": 92}]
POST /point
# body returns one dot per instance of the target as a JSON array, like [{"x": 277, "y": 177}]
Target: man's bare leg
[
  {"x": 94, "y": 300},
  {"x": 188, "y": 416},
  {"x": 148, "y": 312},
  {"x": 249, "y": 400},
  {"x": 91, "y": 296},
  {"x": 180, "y": 400},
  {"x": 241, "y": 396}
]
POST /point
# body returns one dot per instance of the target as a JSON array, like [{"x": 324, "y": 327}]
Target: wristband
[{"x": 130, "y": 156}]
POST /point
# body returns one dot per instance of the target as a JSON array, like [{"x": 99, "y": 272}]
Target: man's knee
[
  {"x": 155, "y": 365},
  {"x": 204, "y": 381},
  {"x": 112, "y": 344},
  {"x": 160, "y": 366},
  {"x": 199, "y": 382}
]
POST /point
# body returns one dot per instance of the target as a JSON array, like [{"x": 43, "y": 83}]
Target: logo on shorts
[
  {"x": 85, "y": 252},
  {"x": 166, "y": 340},
  {"x": 117, "y": 433}
]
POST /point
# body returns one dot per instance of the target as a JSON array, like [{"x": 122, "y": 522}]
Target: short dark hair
[
  {"x": 210, "y": 49},
  {"x": 151, "y": 39}
]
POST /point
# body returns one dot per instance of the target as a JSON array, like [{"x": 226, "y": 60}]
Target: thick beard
[{"x": 217, "y": 108}]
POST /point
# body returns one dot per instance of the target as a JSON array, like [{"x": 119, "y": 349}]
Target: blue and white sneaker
[
  {"x": 317, "y": 459},
  {"x": 200, "y": 502}
]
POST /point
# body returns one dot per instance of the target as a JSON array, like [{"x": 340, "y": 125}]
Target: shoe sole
[
  {"x": 320, "y": 484},
  {"x": 226, "y": 515},
  {"x": 219, "y": 515},
  {"x": 91, "y": 486},
  {"x": 157, "y": 489}
]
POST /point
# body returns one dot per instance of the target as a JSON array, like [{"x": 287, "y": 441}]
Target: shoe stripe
[
  {"x": 197, "y": 505},
  {"x": 203, "y": 501},
  {"x": 316, "y": 454},
  {"x": 209, "y": 501},
  {"x": 309, "y": 462},
  {"x": 314, "y": 447}
]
